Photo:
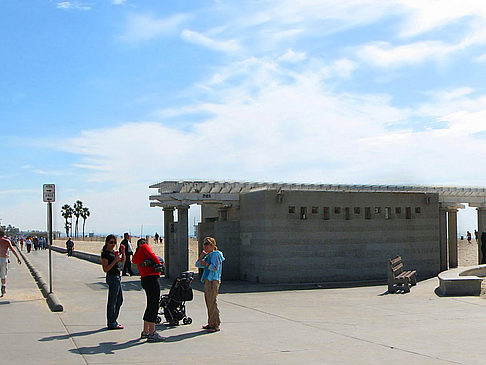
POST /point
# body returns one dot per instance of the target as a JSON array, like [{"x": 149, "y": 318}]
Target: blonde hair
[{"x": 211, "y": 241}]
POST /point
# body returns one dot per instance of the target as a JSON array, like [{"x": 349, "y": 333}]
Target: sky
[{"x": 106, "y": 97}]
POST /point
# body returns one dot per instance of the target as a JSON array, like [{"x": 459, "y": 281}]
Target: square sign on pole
[{"x": 49, "y": 193}]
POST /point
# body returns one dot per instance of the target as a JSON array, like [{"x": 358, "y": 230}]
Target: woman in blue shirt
[{"x": 211, "y": 260}]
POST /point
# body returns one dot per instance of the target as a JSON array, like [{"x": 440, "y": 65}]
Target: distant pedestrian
[
  {"x": 109, "y": 260},
  {"x": 5, "y": 247},
  {"x": 22, "y": 243},
  {"x": 476, "y": 235},
  {"x": 150, "y": 283},
  {"x": 483, "y": 247},
  {"x": 127, "y": 267},
  {"x": 156, "y": 237},
  {"x": 211, "y": 260},
  {"x": 28, "y": 244},
  {"x": 469, "y": 237},
  {"x": 69, "y": 246}
]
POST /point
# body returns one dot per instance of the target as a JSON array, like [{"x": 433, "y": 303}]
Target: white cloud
[
  {"x": 292, "y": 56},
  {"x": 384, "y": 54},
  {"x": 72, "y": 5},
  {"x": 204, "y": 41},
  {"x": 144, "y": 27}
]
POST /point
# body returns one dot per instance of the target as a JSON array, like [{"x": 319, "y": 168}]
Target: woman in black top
[{"x": 109, "y": 260}]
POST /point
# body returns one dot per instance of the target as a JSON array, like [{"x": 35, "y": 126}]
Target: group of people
[
  {"x": 210, "y": 260},
  {"x": 35, "y": 242}
]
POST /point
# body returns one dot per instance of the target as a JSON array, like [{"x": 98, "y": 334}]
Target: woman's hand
[
  {"x": 117, "y": 256},
  {"x": 201, "y": 256}
]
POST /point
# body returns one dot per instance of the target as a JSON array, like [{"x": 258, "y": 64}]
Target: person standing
[
  {"x": 483, "y": 247},
  {"x": 28, "y": 244},
  {"x": 5, "y": 247},
  {"x": 69, "y": 246},
  {"x": 211, "y": 260},
  {"x": 150, "y": 283},
  {"x": 469, "y": 237},
  {"x": 156, "y": 237},
  {"x": 109, "y": 260},
  {"x": 127, "y": 267}
]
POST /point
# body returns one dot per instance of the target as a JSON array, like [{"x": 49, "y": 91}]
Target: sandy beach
[{"x": 95, "y": 245}]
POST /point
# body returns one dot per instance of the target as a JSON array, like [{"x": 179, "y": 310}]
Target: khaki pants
[{"x": 211, "y": 289}]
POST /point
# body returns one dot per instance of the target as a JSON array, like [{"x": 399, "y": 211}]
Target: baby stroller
[{"x": 173, "y": 305}]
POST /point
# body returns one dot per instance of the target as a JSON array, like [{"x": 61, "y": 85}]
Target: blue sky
[{"x": 105, "y": 97}]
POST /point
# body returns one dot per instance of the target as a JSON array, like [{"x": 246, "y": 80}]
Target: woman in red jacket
[{"x": 150, "y": 283}]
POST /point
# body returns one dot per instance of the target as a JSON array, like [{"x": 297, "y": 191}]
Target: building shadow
[
  {"x": 107, "y": 348},
  {"x": 74, "y": 334}
]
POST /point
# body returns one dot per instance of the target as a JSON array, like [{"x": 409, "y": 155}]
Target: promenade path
[{"x": 261, "y": 324}]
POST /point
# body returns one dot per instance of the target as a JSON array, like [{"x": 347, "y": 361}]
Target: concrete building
[{"x": 290, "y": 233}]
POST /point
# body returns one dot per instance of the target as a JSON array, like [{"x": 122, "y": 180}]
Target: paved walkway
[{"x": 261, "y": 325}]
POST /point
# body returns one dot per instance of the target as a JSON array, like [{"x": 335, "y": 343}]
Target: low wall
[{"x": 462, "y": 281}]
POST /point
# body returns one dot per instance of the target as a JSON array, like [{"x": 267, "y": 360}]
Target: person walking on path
[
  {"x": 211, "y": 260},
  {"x": 5, "y": 247},
  {"x": 128, "y": 252},
  {"x": 156, "y": 237},
  {"x": 150, "y": 283},
  {"x": 28, "y": 244},
  {"x": 109, "y": 260},
  {"x": 69, "y": 246},
  {"x": 469, "y": 237}
]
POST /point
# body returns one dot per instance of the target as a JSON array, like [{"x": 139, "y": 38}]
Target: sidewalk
[{"x": 319, "y": 326}]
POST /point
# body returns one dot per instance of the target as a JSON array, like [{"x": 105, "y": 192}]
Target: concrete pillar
[
  {"x": 180, "y": 253},
  {"x": 452, "y": 237},
  {"x": 444, "y": 264},
  {"x": 481, "y": 229},
  {"x": 168, "y": 236}
]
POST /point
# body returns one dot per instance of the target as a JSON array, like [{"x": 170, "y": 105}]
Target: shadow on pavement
[
  {"x": 107, "y": 348},
  {"x": 74, "y": 334},
  {"x": 186, "y": 336}
]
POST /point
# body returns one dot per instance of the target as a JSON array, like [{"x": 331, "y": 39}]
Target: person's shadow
[
  {"x": 74, "y": 334},
  {"x": 107, "y": 348},
  {"x": 185, "y": 336}
]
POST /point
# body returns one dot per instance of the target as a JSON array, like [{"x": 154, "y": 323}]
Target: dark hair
[
  {"x": 2, "y": 233},
  {"x": 109, "y": 237},
  {"x": 126, "y": 234}
]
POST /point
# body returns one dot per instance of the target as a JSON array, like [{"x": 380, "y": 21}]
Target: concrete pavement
[{"x": 261, "y": 325}]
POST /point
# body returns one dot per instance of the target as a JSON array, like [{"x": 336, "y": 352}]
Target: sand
[{"x": 94, "y": 245}]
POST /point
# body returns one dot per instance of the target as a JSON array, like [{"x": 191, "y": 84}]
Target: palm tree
[
  {"x": 67, "y": 212},
  {"x": 78, "y": 208},
  {"x": 84, "y": 214}
]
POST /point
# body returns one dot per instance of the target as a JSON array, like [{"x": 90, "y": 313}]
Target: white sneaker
[
  {"x": 155, "y": 337},
  {"x": 144, "y": 335}
]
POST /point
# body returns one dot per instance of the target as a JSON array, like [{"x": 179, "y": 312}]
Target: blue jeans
[{"x": 115, "y": 299}]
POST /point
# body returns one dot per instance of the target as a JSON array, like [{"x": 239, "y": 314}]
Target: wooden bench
[{"x": 398, "y": 278}]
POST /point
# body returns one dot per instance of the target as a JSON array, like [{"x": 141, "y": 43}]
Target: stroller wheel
[
  {"x": 158, "y": 320},
  {"x": 187, "y": 320}
]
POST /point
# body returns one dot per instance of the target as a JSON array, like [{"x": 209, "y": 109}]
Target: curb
[{"x": 51, "y": 298}]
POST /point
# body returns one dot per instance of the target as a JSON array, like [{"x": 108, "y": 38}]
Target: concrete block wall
[
  {"x": 278, "y": 246},
  {"x": 227, "y": 235}
]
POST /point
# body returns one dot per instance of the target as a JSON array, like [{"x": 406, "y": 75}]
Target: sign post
[{"x": 49, "y": 196}]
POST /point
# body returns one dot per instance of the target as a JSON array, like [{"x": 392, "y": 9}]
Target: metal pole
[{"x": 49, "y": 227}]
